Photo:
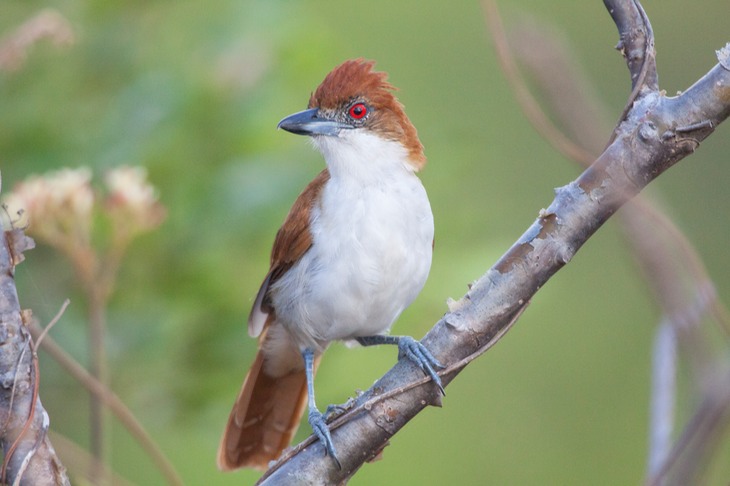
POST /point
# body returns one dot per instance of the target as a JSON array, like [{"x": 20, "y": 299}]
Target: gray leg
[{"x": 316, "y": 420}]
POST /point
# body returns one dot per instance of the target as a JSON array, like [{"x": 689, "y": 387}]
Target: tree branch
[
  {"x": 655, "y": 133},
  {"x": 681, "y": 285},
  {"x": 29, "y": 456},
  {"x": 636, "y": 43}
]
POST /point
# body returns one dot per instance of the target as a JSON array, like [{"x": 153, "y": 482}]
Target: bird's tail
[{"x": 265, "y": 416}]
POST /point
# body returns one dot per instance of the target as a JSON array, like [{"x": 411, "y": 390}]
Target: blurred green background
[{"x": 193, "y": 92}]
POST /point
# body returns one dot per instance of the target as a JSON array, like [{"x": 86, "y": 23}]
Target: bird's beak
[{"x": 309, "y": 122}]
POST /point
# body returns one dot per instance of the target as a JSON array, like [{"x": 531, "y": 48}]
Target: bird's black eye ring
[{"x": 358, "y": 111}]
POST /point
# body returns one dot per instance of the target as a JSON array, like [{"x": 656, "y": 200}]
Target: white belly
[{"x": 370, "y": 258}]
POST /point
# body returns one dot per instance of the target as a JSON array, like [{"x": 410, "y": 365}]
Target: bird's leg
[
  {"x": 316, "y": 420},
  {"x": 411, "y": 349}
]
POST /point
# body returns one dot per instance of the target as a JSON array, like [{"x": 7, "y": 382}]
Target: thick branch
[
  {"x": 681, "y": 285},
  {"x": 655, "y": 133},
  {"x": 29, "y": 455}
]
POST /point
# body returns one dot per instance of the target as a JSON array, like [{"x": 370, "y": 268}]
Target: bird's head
[{"x": 354, "y": 99}]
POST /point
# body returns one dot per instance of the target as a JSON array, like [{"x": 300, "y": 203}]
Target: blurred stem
[
  {"x": 99, "y": 289},
  {"x": 86, "y": 266},
  {"x": 99, "y": 370},
  {"x": 113, "y": 402},
  {"x": 97, "y": 277},
  {"x": 664, "y": 386}
]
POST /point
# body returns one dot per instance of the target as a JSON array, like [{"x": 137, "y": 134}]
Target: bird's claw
[
  {"x": 334, "y": 411},
  {"x": 420, "y": 355},
  {"x": 320, "y": 429}
]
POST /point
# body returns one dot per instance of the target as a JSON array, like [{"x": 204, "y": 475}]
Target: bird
[{"x": 353, "y": 252}]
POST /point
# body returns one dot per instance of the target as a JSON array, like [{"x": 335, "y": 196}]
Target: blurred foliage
[{"x": 193, "y": 92}]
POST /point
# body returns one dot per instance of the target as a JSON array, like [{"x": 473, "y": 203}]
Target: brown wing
[
  {"x": 268, "y": 408},
  {"x": 292, "y": 241}
]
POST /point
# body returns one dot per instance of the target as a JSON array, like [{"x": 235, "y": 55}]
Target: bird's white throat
[{"x": 372, "y": 235}]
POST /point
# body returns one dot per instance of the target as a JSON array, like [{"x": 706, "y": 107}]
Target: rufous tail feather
[{"x": 264, "y": 419}]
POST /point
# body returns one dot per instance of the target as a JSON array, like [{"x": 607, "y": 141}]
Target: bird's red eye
[{"x": 358, "y": 111}]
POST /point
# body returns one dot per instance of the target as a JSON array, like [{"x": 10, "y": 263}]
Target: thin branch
[
  {"x": 78, "y": 460},
  {"x": 664, "y": 369},
  {"x": 53, "y": 322},
  {"x": 709, "y": 421},
  {"x": 636, "y": 44},
  {"x": 560, "y": 83},
  {"x": 114, "y": 403},
  {"x": 529, "y": 104}
]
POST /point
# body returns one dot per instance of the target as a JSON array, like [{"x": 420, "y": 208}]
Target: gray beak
[{"x": 308, "y": 122}]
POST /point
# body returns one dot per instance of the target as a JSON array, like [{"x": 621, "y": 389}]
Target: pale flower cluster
[
  {"x": 132, "y": 202},
  {"x": 58, "y": 204},
  {"x": 59, "y": 207}
]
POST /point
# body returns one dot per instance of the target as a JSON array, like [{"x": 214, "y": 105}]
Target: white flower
[
  {"x": 132, "y": 201},
  {"x": 57, "y": 203}
]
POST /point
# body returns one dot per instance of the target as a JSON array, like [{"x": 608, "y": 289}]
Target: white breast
[{"x": 372, "y": 244}]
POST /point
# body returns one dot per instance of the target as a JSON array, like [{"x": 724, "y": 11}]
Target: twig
[
  {"x": 664, "y": 368},
  {"x": 710, "y": 419},
  {"x": 114, "y": 403},
  {"x": 31, "y": 452},
  {"x": 78, "y": 459},
  {"x": 50, "y": 325},
  {"x": 636, "y": 44},
  {"x": 529, "y": 104}
]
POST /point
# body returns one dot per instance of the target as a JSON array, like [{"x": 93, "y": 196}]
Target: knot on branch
[
  {"x": 723, "y": 56},
  {"x": 18, "y": 243}
]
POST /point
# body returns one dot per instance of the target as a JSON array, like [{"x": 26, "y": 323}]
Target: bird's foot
[
  {"x": 334, "y": 411},
  {"x": 320, "y": 429},
  {"x": 420, "y": 355}
]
